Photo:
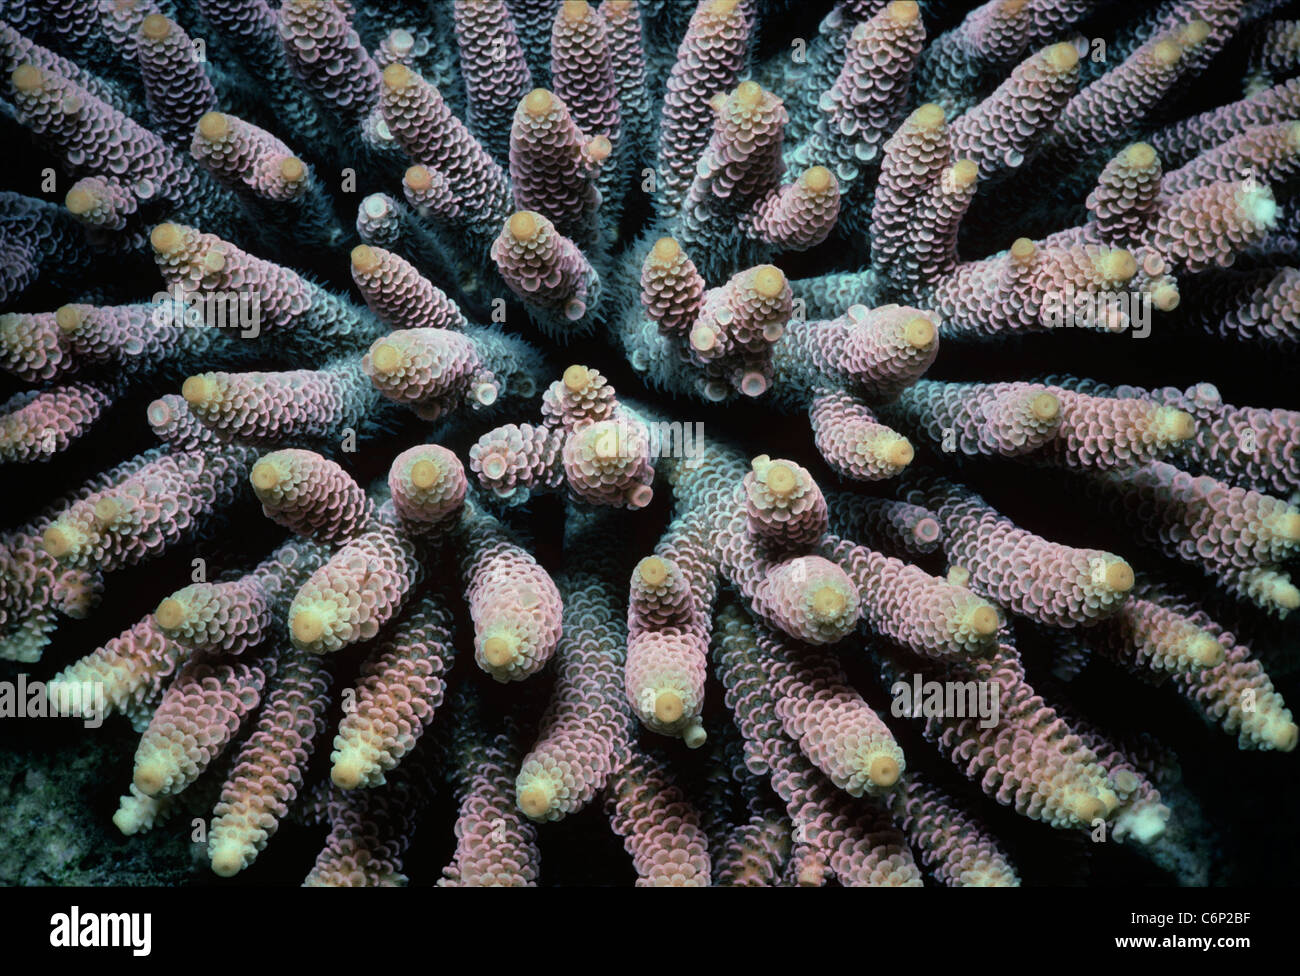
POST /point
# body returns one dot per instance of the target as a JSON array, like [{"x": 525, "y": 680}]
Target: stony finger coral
[{"x": 861, "y": 455}]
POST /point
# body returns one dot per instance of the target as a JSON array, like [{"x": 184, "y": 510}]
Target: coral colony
[{"x": 454, "y": 292}]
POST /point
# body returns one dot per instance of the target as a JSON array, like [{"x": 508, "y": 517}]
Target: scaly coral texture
[{"x": 756, "y": 429}]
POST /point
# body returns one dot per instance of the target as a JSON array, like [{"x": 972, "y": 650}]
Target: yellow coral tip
[
  {"x": 166, "y": 238},
  {"x": 497, "y": 652},
  {"x": 418, "y": 178},
  {"x": 1140, "y": 155},
  {"x": 1286, "y": 596},
  {"x": 1165, "y": 297},
  {"x": 666, "y": 250},
  {"x": 108, "y": 511},
  {"x": 196, "y": 390},
  {"x": 227, "y": 862},
  {"x": 575, "y": 10},
  {"x": 1284, "y": 740},
  {"x": 1288, "y": 527},
  {"x": 265, "y": 475},
  {"x": 27, "y": 77},
  {"x": 398, "y": 76},
  {"x": 1205, "y": 651},
  {"x": 818, "y": 179},
  {"x": 149, "y": 777},
  {"x": 56, "y": 541},
  {"x": 903, "y": 11},
  {"x": 170, "y": 614},
  {"x": 652, "y": 570},
  {"x": 1045, "y": 406},
  {"x": 780, "y": 479},
  {"x": 1182, "y": 425},
  {"x": 523, "y": 225},
  {"x": 964, "y": 173},
  {"x": 68, "y": 318},
  {"x": 599, "y": 149},
  {"x": 156, "y": 27},
  {"x": 1167, "y": 52},
  {"x": 346, "y": 773},
  {"x": 748, "y": 93},
  {"x": 1119, "y": 576},
  {"x": 919, "y": 332},
  {"x": 1118, "y": 264},
  {"x": 425, "y": 474},
  {"x": 883, "y": 771},
  {"x": 538, "y": 102},
  {"x": 576, "y": 378},
  {"x": 984, "y": 621},
  {"x": 1062, "y": 56},
  {"x": 828, "y": 601},
  {"x": 385, "y": 357},
  {"x": 900, "y": 452},
  {"x": 307, "y": 626},
  {"x": 1195, "y": 32},
  {"x": 534, "y": 801},
  {"x": 1089, "y": 809},
  {"x": 214, "y": 126},
  {"x": 364, "y": 258},
  {"x": 1022, "y": 249},
  {"x": 768, "y": 280},
  {"x": 79, "y": 201},
  {"x": 928, "y": 116},
  {"x": 292, "y": 169},
  {"x": 669, "y": 706}
]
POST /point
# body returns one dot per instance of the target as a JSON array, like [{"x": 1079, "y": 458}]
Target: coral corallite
[{"x": 860, "y": 455}]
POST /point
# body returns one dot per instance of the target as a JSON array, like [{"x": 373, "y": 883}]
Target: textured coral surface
[{"x": 744, "y": 442}]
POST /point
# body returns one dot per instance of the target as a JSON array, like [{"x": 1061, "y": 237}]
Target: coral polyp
[{"x": 860, "y": 454}]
